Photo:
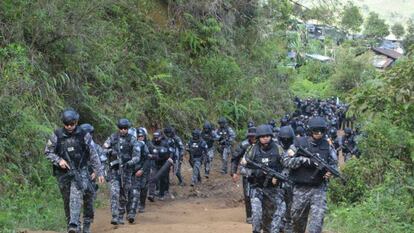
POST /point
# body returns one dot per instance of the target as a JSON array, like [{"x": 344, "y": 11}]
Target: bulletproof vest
[
  {"x": 72, "y": 148},
  {"x": 245, "y": 144},
  {"x": 271, "y": 158},
  {"x": 224, "y": 134},
  {"x": 160, "y": 150},
  {"x": 310, "y": 175},
  {"x": 171, "y": 142},
  {"x": 123, "y": 145},
  {"x": 208, "y": 138},
  {"x": 195, "y": 148}
]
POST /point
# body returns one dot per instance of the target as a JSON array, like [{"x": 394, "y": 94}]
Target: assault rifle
[
  {"x": 118, "y": 162},
  {"x": 269, "y": 172},
  {"x": 74, "y": 174},
  {"x": 320, "y": 163}
]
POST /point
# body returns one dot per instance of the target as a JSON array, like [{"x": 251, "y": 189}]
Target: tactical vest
[
  {"x": 270, "y": 158},
  {"x": 196, "y": 148},
  {"x": 310, "y": 175},
  {"x": 161, "y": 151},
  {"x": 208, "y": 138},
  {"x": 71, "y": 148},
  {"x": 123, "y": 146}
]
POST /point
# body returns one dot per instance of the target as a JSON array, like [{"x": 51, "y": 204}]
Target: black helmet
[
  {"x": 222, "y": 121},
  {"x": 69, "y": 115},
  {"x": 286, "y": 136},
  {"x": 168, "y": 131},
  {"x": 332, "y": 133},
  {"x": 123, "y": 123},
  {"x": 196, "y": 134},
  {"x": 141, "y": 132},
  {"x": 317, "y": 123},
  {"x": 207, "y": 126},
  {"x": 284, "y": 121},
  {"x": 157, "y": 134},
  {"x": 300, "y": 131},
  {"x": 286, "y": 132},
  {"x": 272, "y": 123},
  {"x": 250, "y": 124},
  {"x": 348, "y": 131},
  {"x": 87, "y": 128},
  {"x": 264, "y": 130},
  {"x": 251, "y": 132}
]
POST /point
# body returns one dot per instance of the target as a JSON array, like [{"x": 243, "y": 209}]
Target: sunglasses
[{"x": 123, "y": 128}]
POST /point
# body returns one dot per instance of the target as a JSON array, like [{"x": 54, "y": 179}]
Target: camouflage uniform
[
  {"x": 124, "y": 153},
  {"x": 177, "y": 143},
  {"x": 209, "y": 137},
  {"x": 309, "y": 191},
  {"x": 139, "y": 183},
  {"x": 267, "y": 200},
  {"x": 226, "y": 138},
  {"x": 198, "y": 152},
  {"x": 89, "y": 196},
  {"x": 235, "y": 161},
  {"x": 78, "y": 150},
  {"x": 160, "y": 152}
]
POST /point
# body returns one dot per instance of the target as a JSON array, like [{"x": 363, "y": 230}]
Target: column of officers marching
[{"x": 138, "y": 169}]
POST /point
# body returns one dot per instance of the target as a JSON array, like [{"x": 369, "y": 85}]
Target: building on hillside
[{"x": 384, "y": 57}]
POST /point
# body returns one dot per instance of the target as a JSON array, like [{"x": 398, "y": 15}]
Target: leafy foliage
[
  {"x": 375, "y": 27},
  {"x": 352, "y": 18},
  {"x": 398, "y": 30}
]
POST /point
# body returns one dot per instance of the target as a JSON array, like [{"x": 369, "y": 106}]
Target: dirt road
[{"x": 214, "y": 206}]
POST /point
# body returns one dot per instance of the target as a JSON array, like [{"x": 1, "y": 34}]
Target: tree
[
  {"x": 375, "y": 27},
  {"x": 398, "y": 30},
  {"x": 409, "y": 37},
  {"x": 352, "y": 18}
]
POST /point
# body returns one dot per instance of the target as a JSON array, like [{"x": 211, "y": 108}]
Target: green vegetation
[
  {"x": 375, "y": 27},
  {"x": 181, "y": 62},
  {"x": 154, "y": 62},
  {"x": 351, "y": 18}
]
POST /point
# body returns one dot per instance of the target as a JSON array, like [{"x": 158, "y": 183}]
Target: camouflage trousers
[
  {"x": 121, "y": 193},
  {"x": 268, "y": 209},
  {"x": 196, "y": 177},
  {"x": 246, "y": 194},
  {"x": 177, "y": 170},
  {"x": 308, "y": 200},
  {"x": 73, "y": 199},
  {"x": 225, "y": 155},
  {"x": 209, "y": 161},
  {"x": 287, "y": 228},
  {"x": 89, "y": 198},
  {"x": 143, "y": 190}
]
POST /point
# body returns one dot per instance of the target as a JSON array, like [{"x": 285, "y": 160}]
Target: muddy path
[{"x": 216, "y": 205}]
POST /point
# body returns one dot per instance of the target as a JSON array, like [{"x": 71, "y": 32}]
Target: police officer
[
  {"x": 89, "y": 196},
  {"x": 239, "y": 153},
  {"x": 226, "y": 137},
  {"x": 267, "y": 195},
  {"x": 161, "y": 153},
  {"x": 124, "y": 153},
  {"x": 139, "y": 178},
  {"x": 310, "y": 183},
  {"x": 145, "y": 170},
  {"x": 348, "y": 144},
  {"x": 197, "y": 148},
  {"x": 209, "y": 136},
  {"x": 175, "y": 142},
  {"x": 71, "y": 149},
  {"x": 286, "y": 139}
]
